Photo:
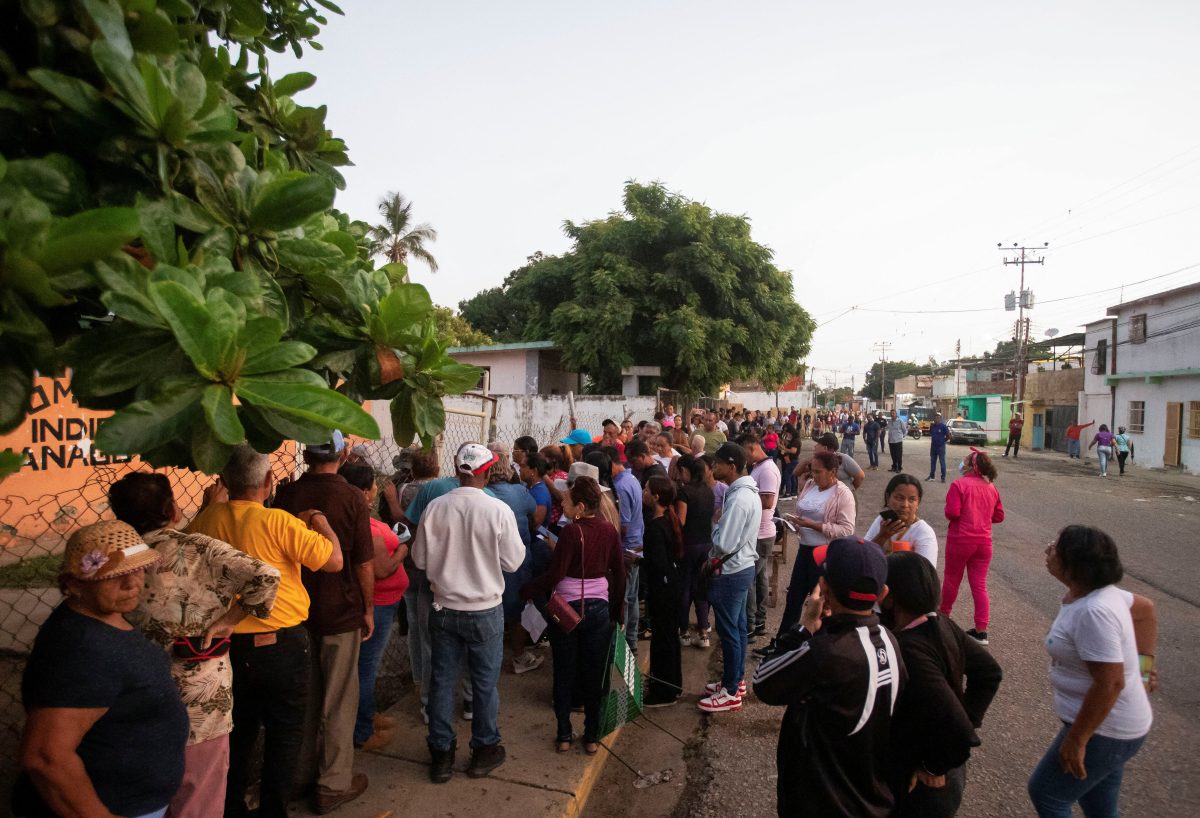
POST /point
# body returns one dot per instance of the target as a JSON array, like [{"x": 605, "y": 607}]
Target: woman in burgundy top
[{"x": 587, "y": 568}]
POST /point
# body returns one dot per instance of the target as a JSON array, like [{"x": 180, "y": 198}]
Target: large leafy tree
[
  {"x": 500, "y": 311},
  {"x": 668, "y": 282},
  {"x": 893, "y": 370},
  {"x": 167, "y": 232},
  {"x": 397, "y": 239},
  {"x": 457, "y": 331}
]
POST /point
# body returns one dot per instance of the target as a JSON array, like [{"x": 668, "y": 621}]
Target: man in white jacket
[
  {"x": 465, "y": 542},
  {"x": 733, "y": 554}
]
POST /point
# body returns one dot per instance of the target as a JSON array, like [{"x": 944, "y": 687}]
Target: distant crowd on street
[{"x": 182, "y": 646}]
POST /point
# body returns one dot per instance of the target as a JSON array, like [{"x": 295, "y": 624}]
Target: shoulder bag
[{"x": 558, "y": 610}]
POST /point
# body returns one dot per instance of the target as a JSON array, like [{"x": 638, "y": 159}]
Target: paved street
[{"x": 1154, "y": 519}]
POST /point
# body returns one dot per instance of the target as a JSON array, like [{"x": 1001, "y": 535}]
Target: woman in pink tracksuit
[{"x": 972, "y": 506}]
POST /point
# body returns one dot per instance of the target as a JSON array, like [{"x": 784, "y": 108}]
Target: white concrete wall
[
  {"x": 1176, "y": 350},
  {"x": 764, "y": 401},
  {"x": 1150, "y": 445}
]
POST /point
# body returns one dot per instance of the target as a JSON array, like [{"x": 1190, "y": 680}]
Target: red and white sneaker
[
  {"x": 715, "y": 687},
  {"x": 720, "y": 702}
]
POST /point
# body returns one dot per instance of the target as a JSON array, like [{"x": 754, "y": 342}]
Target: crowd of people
[{"x": 267, "y": 615}]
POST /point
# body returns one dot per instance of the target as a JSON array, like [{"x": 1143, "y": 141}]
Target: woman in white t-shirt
[
  {"x": 906, "y": 531},
  {"x": 1101, "y": 648}
]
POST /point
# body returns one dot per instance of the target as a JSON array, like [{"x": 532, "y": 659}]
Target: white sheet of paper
[{"x": 533, "y": 621}]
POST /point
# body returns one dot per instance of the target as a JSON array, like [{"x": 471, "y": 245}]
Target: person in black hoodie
[
  {"x": 840, "y": 678},
  {"x": 934, "y": 727}
]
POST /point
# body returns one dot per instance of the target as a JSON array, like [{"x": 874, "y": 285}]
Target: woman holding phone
[
  {"x": 899, "y": 526},
  {"x": 824, "y": 511}
]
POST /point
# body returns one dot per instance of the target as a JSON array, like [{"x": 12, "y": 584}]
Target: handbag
[{"x": 558, "y": 610}]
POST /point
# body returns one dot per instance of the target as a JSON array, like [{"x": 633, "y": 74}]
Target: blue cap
[{"x": 579, "y": 437}]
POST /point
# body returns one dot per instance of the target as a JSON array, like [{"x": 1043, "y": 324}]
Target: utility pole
[
  {"x": 1023, "y": 302},
  {"x": 883, "y": 347}
]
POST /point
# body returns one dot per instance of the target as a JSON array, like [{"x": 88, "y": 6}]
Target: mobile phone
[
  {"x": 889, "y": 516},
  {"x": 544, "y": 534}
]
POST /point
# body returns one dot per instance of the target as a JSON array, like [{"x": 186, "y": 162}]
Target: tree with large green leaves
[
  {"x": 668, "y": 282},
  {"x": 167, "y": 232},
  {"x": 397, "y": 239},
  {"x": 875, "y": 388}
]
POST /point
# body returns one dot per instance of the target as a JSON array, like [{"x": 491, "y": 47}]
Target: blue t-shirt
[
  {"x": 871, "y": 432},
  {"x": 541, "y": 497},
  {"x": 134, "y": 753},
  {"x": 431, "y": 491},
  {"x": 517, "y": 497},
  {"x": 850, "y": 431},
  {"x": 939, "y": 433}
]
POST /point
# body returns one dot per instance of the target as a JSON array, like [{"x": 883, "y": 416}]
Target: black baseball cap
[
  {"x": 856, "y": 571},
  {"x": 733, "y": 454}
]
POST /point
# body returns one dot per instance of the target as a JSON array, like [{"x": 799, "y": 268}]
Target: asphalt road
[{"x": 1154, "y": 518}]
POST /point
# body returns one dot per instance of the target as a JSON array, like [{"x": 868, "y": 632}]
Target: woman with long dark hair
[
  {"x": 972, "y": 506},
  {"x": 587, "y": 569},
  {"x": 694, "y": 504},
  {"x": 661, "y": 558}
]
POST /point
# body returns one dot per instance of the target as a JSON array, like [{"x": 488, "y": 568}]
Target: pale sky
[{"x": 880, "y": 149}]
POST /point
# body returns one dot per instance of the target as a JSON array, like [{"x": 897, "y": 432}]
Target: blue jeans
[
  {"x": 727, "y": 598},
  {"x": 631, "y": 606},
  {"x": 872, "y": 453},
  {"x": 1053, "y": 792},
  {"x": 478, "y": 637},
  {"x": 418, "y": 601},
  {"x": 937, "y": 454},
  {"x": 1072, "y": 448},
  {"x": 369, "y": 657}
]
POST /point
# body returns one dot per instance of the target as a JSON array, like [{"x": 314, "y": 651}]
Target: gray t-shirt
[{"x": 848, "y": 470}]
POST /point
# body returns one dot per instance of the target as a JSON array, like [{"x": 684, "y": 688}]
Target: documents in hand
[{"x": 533, "y": 621}]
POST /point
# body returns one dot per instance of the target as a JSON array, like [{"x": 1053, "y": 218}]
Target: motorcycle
[{"x": 914, "y": 432}]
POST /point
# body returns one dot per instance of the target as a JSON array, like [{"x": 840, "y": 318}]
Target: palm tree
[{"x": 398, "y": 238}]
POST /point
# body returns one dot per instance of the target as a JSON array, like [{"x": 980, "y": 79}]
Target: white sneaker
[
  {"x": 703, "y": 641},
  {"x": 527, "y": 662},
  {"x": 685, "y": 639},
  {"x": 720, "y": 702},
  {"x": 715, "y": 687}
]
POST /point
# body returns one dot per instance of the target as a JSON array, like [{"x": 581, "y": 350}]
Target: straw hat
[{"x": 105, "y": 550}]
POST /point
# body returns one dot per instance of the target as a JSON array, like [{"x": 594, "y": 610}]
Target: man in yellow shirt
[{"x": 269, "y": 656}]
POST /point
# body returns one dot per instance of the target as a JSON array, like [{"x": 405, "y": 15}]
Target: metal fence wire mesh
[{"x": 34, "y": 531}]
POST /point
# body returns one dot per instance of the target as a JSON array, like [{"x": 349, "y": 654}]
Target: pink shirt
[
  {"x": 569, "y": 588},
  {"x": 389, "y": 591},
  {"x": 972, "y": 505}
]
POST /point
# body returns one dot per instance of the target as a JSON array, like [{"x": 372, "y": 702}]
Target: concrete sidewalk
[{"x": 533, "y": 781}]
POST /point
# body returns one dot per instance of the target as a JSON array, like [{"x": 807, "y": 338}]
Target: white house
[
  {"x": 1153, "y": 374},
  {"x": 1096, "y": 399},
  {"x": 525, "y": 368}
]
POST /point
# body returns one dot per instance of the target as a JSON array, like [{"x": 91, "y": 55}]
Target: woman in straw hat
[{"x": 106, "y": 730}]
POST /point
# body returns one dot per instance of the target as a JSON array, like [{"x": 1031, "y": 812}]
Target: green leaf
[
  {"x": 77, "y": 95},
  {"x": 217, "y": 402},
  {"x": 110, "y": 20},
  {"x": 55, "y": 180},
  {"x": 306, "y": 256},
  {"x": 88, "y": 236},
  {"x": 457, "y": 378},
  {"x": 405, "y": 305},
  {"x": 294, "y": 83},
  {"x": 344, "y": 242},
  {"x": 289, "y": 202},
  {"x": 429, "y": 415},
  {"x": 193, "y": 326},
  {"x": 304, "y": 400},
  {"x": 27, "y": 276},
  {"x": 281, "y": 356},
  {"x": 122, "y": 74},
  {"x": 16, "y": 388},
  {"x": 331, "y": 6},
  {"x": 156, "y": 223},
  {"x": 404, "y": 428},
  {"x": 209, "y": 453},
  {"x": 154, "y": 33},
  {"x": 42, "y": 13},
  {"x": 119, "y": 357},
  {"x": 148, "y": 424},
  {"x": 10, "y": 462},
  {"x": 127, "y": 293},
  {"x": 246, "y": 19}
]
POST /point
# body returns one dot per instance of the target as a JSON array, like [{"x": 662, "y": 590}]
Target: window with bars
[
  {"x": 1100, "y": 367},
  {"x": 1137, "y": 329},
  {"x": 1193, "y": 426},
  {"x": 1137, "y": 416}
]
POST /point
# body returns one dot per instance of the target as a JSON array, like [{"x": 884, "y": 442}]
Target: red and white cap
[{"x": 474, "y": 458}]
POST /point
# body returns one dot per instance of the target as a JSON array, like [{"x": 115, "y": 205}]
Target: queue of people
[{"x": 269, "y": 613}]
